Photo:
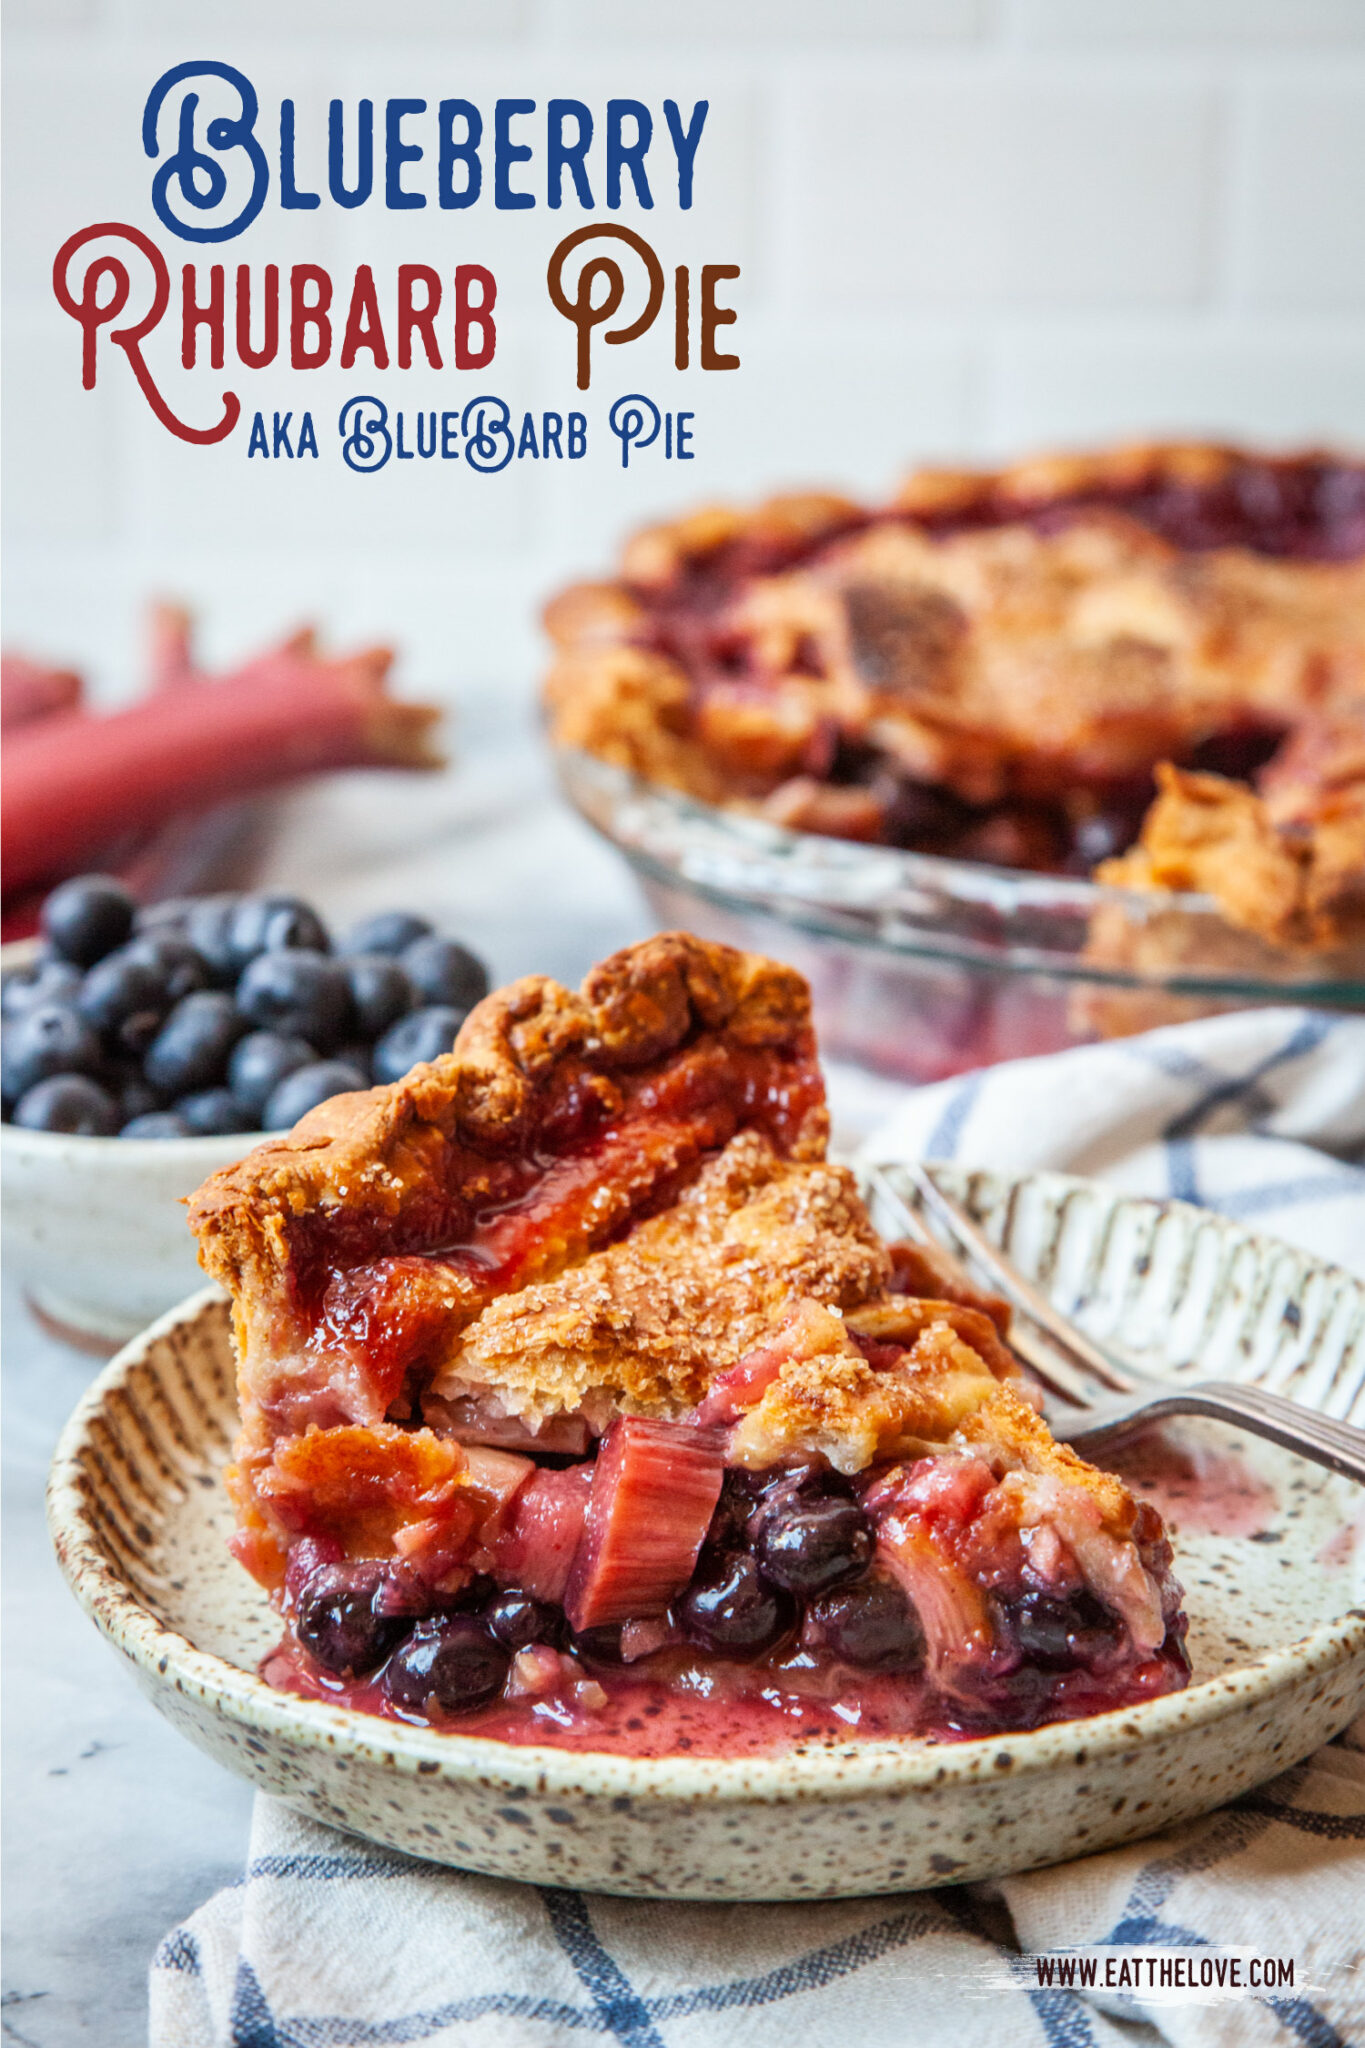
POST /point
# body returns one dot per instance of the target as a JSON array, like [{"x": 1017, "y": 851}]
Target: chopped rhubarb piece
[
  {"x": 536, "y": 1547},
  {"x": 654, "y": 1491}
]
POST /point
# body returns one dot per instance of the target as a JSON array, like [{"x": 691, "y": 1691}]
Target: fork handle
[{"x": 1322, "y": 1438}]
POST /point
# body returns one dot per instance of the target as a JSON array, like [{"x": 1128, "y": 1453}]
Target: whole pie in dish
[
  {"x": 996, "y": 667},
  {"x": 581, "y": 1403}
]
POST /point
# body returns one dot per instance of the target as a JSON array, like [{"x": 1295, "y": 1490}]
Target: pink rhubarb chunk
[
  {"x": 654, "y": 1491},
  {"x": 541, "y": 1534}
]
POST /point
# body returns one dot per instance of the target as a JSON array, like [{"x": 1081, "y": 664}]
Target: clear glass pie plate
[{"x": 923, "y": 967}]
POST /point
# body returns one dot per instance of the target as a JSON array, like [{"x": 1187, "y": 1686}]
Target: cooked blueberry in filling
[
  {"x": 452, "y": 1660},
  {"x": 815, "y": 1545},
  {"x": 517, "y": 1619},
  {"x": 340, "y": 1622},
  {"x": 732, "y": 1608},
  {"x": 872, "y": 1625},
  {"x": 1057, "y": 1634}
]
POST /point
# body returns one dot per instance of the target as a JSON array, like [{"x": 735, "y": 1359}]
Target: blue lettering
[
  {"x": 578, "y": 435},
  {"x": 422, "y": 448},
  {"x": 527, "y": 444},
  {"x": 308, "y": 440},
  {"x": 685, "y": 453},
  {"x": 187, "y": 163},
  {"x": 290, "y": 196},
  {"x": 567, "y": 156},
  {"x": 397, "y": 153},
  {"x": 453, "y": 152},
  {"x": 449, "y": 430},
  {"x": 506, "y": 153},
  {"x": 336, "y": 154},
  {"x": 622, "y": 155},
  {"x": 403, "y": 454},
  {"x": 685, "y": 142},
  {"x": 551, "y": 427},
  {"x": 258, "y": 444},
  {"x": 282, "y": 436}
]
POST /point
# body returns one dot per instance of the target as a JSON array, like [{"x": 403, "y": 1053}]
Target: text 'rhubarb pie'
[
  {"x": 581, "y": 1403},
  {"x": 996, "y": 667}
]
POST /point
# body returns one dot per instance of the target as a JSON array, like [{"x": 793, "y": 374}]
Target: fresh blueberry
[
  {"x": 453, "y": 1661},
  {"x": 305, "y": 1089},
  {"x": 441, "y": 971},
  {"x": 274, "y": 924},
  {"x": 380, "y": 992},
  {"x": 425, "y": 1035},
  {"x": 191, "y": 1049},
  {"x": 298, "y": 993},
  {"x": 338, "y": 1623},
  {"x": 518, "y": 1620},
  {"x": 136, "y": 1097},
  {"x": 175, "y": 958},
  {"x": 814, "y": 1546},
  {"x": 213, "y": 1113},
  {"x": 87, "y": 917},
  {"x": 68, "y": 1102},
  {"x": 51, "y": 1038},
  {"x": 208, "y": 928},
  {"x": 389, "y": 931},
  {"x": 168, "y": 917},
  {"x": 52, "y": 981},
  {"x": 259, "y": 1063},
  {"x": 126, "y": 1000},
  {"x": 730, "y": 1608},
  {"x": 871, "y": 1624},
  {"x": 157, "y": 1123}
]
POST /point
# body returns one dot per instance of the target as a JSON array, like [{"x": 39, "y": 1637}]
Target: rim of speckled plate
[{"x": 831, "y": 1772}]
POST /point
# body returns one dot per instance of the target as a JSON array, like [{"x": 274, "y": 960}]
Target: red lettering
[
  {"x": 193, "y": 316},
  {"x": 364, "y": 329},
  {"x": 304, "y": 314},
  {"x": 474, "y": 313},
  {"x": 257, "y": 358},
  {"x": 419, "y": 319}
]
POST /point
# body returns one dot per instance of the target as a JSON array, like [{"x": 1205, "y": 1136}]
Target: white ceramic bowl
[
  {"x": 94, "y": 1228},
  {"x": 1277, "y": 1630}
]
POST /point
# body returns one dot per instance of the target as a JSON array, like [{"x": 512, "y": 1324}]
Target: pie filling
[{"x": 582, "y": 1404}]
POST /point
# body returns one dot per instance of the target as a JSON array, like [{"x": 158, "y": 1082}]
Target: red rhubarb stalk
[{"x": 654, "y": 1491}]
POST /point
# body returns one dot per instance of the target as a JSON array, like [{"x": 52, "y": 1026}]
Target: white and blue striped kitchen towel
[{"x": 328, "y": 1943}]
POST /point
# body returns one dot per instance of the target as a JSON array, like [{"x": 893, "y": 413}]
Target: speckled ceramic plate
[{"x": 1264, "y": 1547}]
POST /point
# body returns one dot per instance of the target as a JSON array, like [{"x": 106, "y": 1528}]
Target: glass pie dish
[{"x": 922, "y": 966}]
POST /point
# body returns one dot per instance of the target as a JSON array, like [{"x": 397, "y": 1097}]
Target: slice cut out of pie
[{"x": 581, "y": 1402}]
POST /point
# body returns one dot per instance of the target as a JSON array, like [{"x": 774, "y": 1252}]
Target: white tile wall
[{"x": 965, "y": 227}]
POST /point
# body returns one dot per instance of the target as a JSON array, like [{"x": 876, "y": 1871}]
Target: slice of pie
[{"x": 581, "y": 1402}]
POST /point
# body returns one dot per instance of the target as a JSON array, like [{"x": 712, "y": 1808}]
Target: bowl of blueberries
[{"x": 141, "y": 1048}]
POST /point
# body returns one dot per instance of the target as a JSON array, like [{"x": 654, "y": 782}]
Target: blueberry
[
  {"x": 730, "y": 1607},
  {"x": 86, "y": 918},
  {"x": 737, "y": 1500},
  {"x": 601, "y": 1645},
  {"x": 453, "y": 1661},
  {"x": 208, "y": 928},
  {"x": 126, "y": 1000},
  {"x": 169, "y": 917},
  {"x": 425, "y": 1035},
  {"x": 815, "y": 1546},
  {"x": 299, "y": 994},
  {"x": 157, "y": 1123},
  {"x": 68, "y": 1102},
  {"x": 51, "y": 1038},
  {"x": 1057, "y": 1634},
  {"x": 52, "y": 981},
  {"x": 259, "y": 1063},
  {"x": 518, "y": 1620},
  {"x": 355, "y": 1055},
  {"x": 380, "y": 992},
  {"x": 872, "y": 1624},
  {"x": 136, "y": 1097},
  {"x": 389, "y": 931},
  {"x": 337, "y": 1622},
  {"x": 183, "y": 968},
  {"x": 213, "y": 1113},
  {"x": 443, "y": 972},
  {"x": 274, "y": 924},
  {"x": 305, "y": 1089},
  {"x": 191, "y": 1049}
]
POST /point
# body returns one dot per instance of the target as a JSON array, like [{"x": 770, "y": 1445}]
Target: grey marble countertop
[{"x": 114, "y": 1827}]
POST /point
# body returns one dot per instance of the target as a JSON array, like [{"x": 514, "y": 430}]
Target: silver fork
[{"x": 1069, "y": 1363}]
